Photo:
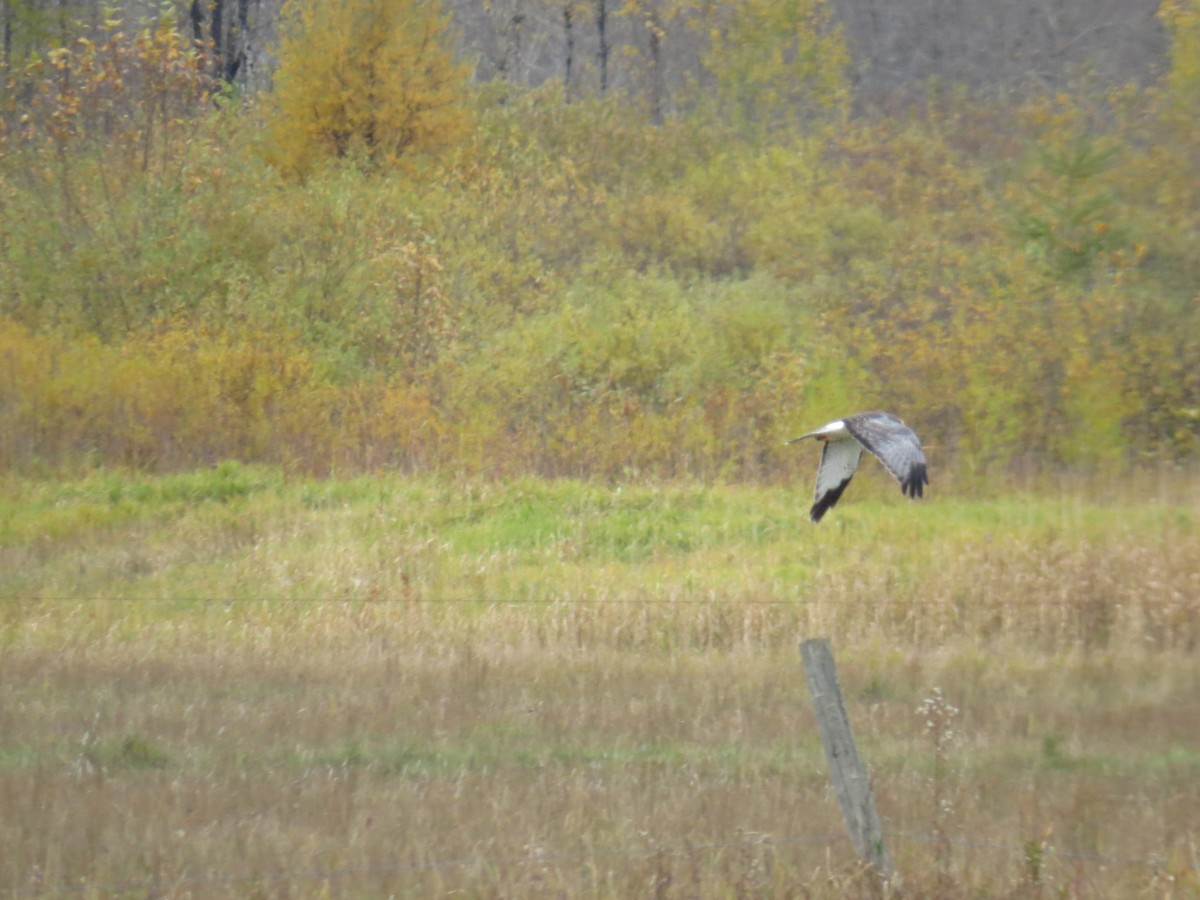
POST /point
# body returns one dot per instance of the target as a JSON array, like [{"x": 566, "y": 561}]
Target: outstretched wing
[
  {"x": 839, "y": 459},
  {"x": 895, "y": 445}
]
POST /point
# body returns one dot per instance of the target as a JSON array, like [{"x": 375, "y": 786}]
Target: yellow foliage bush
[
  {"x": 182, "y": 397},
  {"x": 368, "y": 79}
]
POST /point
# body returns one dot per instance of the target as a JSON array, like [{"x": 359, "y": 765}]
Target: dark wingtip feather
[
  {"x": 914, "y": 485},
  {"x": 826, "y": 503}
]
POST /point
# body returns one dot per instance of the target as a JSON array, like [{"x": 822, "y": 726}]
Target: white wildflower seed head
[{"x": 939, "y": 714}]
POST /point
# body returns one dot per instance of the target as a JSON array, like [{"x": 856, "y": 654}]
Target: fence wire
[{"x": 555, "y": 603}]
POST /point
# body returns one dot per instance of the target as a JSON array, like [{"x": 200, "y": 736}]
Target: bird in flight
[{"x": 887, "y": 438}]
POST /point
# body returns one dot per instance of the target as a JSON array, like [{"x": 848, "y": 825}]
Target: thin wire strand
[{"x": 579, "y": 601}]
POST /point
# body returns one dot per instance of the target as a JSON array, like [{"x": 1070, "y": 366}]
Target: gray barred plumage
[{"x": 885, "y": 436}]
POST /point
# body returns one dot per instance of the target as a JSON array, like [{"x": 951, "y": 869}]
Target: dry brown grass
[{"x": 482, "y": 712}]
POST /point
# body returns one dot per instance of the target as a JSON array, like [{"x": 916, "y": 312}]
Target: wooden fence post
[{"x": 850, "y": 781}]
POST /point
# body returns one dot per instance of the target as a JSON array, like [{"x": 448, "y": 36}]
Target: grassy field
[{"x": 235, "y": 682}]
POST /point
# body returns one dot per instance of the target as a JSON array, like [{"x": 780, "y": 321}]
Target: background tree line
[
  {"x": 653, "y": 46},
  {"x": 597, "y": 238}
]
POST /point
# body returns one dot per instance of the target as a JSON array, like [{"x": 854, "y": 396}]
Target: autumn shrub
[
  {"x": 1111, "y": 217},
  {"x": 1160, "y": 276},
  {"x": 1160, "y": 362},
  {"x": 644, "y": 375},
  {"x": 535, "y": 200},
  {"x": 114, "y": 265},
  {"x": 119, "y": 201},
  {"x": 163, "y": 400},
  {"x": 777, "y": 209},
  {"x": 181, "y": 396},
  {"x": 600, "y": 142},
  {"x": 133, "y": 86},
  {"x": 354, "y": 272},
  {"x": 777, "y": 66},
  {"x": 1008, "y": 298},
  {"x": 372, "y": 80}
]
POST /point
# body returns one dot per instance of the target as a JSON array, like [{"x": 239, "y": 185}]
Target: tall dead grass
[{"x": 288, "y": 699}]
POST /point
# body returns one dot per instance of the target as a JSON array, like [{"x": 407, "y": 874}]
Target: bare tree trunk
[
  {"x": 64, "y": 22},
  {"x": 235, "y": 53},
  {"x": 512, "y": 53},
  {"x": 8, "y": 35},
  {"x": 602, "y": 35},
  {"x": 569, "y": 36},
  {"x": 196, "y": 14},
  {"x": 657, "y": 77},
  {"x": 217, "y": 33},
  {"x": 229, "y": 35}
]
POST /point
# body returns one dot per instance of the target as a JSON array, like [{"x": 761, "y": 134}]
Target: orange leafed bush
[{"x": 182, "y": 397}]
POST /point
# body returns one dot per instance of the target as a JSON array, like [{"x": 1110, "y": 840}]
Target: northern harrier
[{"x": 890, "y": 441}]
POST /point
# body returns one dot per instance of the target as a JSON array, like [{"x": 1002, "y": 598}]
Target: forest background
[{"x": 597, "y": 239}]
